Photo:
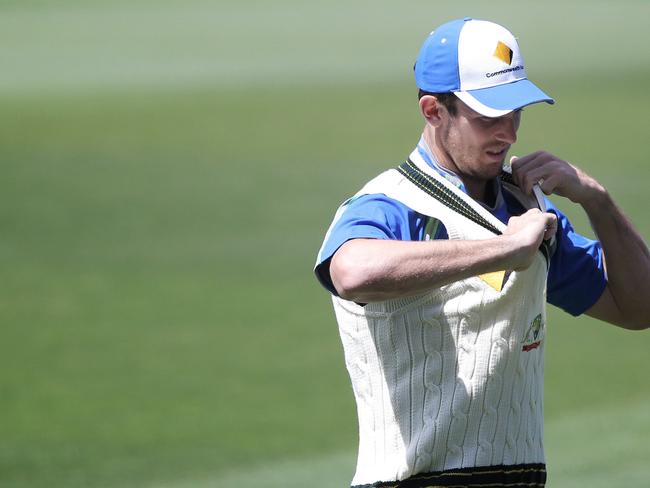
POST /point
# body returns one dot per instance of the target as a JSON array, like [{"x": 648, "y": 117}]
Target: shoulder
[
  {"x": 377, "y": 208},
  {"x": 374, "y": 216}
]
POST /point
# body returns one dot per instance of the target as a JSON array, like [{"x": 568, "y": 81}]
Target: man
[{"x": 440, "y": 272}]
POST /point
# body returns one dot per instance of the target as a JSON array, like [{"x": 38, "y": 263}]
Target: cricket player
[{"x": 440, "y": 271}]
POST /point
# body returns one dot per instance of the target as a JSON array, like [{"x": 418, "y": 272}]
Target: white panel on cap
[{"x": 476, "y": 60}]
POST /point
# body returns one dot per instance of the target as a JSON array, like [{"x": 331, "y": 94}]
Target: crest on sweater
[{"x": 534, "y": 334}]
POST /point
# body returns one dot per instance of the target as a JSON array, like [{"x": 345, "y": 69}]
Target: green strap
[
  {"x": 449, "y": 199},
  {"x": 444, "y": 195}
]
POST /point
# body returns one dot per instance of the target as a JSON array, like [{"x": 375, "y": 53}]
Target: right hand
[{"x": 525, "y": 234}]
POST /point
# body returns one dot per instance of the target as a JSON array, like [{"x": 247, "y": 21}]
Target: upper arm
[
  {"x": 606, "y": 309},
  {"x": 366, "y": 217}
]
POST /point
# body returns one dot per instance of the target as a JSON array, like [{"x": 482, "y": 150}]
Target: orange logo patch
[{"x": 503, "y": 52}]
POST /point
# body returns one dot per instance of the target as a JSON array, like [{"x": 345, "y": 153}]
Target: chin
[{"x": 492, "y": 169}]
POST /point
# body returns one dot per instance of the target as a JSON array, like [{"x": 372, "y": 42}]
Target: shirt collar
[{"x": 430, "y": 159}]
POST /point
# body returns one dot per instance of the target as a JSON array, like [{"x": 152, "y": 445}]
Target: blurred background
[{"x": 169, "y": 169}]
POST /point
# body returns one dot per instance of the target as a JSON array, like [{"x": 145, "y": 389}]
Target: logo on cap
[{"x": 503, "y": 52}]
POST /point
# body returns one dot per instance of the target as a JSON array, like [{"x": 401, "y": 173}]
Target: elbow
[
  {"x": 347, "y": 277},
  {"x": 631, "y": 314},
  {"x": 355, "y": 274},
  {"x": 637, "y": 320},
  {"x": 636, "y": 323}
]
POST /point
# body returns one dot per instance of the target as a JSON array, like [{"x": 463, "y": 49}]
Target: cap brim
[{"x": 500, "y": 100}]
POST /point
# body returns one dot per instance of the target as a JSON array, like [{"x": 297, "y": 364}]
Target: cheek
[
  {"x": 475, "y": 141},
  {"x": 453, "y": 138},
  {"x": 460, "y": 141}
]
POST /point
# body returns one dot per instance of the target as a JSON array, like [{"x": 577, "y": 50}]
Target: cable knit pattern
[{"x": 443, "y": 380}]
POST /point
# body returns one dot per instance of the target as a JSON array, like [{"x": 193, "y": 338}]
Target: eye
[{"x": 487, "y": 120}]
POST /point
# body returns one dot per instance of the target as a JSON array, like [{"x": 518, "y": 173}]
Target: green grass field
[{"x": 168, "y": 172}]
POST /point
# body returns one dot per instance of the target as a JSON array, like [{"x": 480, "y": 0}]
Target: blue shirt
[{"x": 576, "y": 277}]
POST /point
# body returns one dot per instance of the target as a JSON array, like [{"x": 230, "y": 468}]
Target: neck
[{"x": 478, "y": 189}]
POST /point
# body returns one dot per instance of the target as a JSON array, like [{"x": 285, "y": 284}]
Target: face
[{"x": 472, "y": 145}]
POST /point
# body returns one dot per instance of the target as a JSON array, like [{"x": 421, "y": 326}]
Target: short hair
[{"x": 447, "y": 100}]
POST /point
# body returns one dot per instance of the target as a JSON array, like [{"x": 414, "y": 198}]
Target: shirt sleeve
[
  {"x": 373, "y": 216},
  {"x": 576, "y": 277}
]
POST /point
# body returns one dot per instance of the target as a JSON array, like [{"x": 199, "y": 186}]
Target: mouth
[{"x": 497, "y": 153}]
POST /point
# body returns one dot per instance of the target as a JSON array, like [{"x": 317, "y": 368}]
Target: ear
[{"x": 432, "y": 110}]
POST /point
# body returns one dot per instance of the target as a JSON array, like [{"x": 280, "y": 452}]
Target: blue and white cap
[{"x": 480, "y": 62}]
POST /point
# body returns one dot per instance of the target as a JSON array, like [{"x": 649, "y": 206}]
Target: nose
[{"x": 507, "y": 128}]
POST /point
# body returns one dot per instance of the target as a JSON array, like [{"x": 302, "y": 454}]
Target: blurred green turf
[{"x": 159, "y": 320}]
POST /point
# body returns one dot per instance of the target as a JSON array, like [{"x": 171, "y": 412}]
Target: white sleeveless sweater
[{"x": 452, "y": 378}]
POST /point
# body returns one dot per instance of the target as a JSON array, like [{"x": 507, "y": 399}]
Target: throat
[{"x": 482, "y": 191}]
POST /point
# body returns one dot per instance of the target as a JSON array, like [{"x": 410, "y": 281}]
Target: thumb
[{"x": 551, "y": 225}]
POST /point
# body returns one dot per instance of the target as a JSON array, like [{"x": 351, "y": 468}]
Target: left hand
[{"x": 554, "y": 176}]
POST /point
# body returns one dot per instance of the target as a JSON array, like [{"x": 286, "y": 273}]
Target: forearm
[
  {"x": 366, "y": 270},
  {"x": 627, "y": 259}
]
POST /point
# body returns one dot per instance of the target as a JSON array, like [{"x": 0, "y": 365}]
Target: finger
[
  {"x": 532, "y": 211},
  {"x": 527, "y": 180},
  {"x": 523, "y": 160},
  {"x": 522, "y": 167},
  {"x": 525, "y": 163},
  {"x": 536, "y": 178},
  {"x": 542, "y": 176},
  {"x": 549, "y": 183},
  {"x": 543, "y": 166},
  {"x": 551, "y": 226}
]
